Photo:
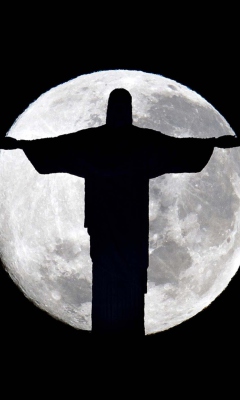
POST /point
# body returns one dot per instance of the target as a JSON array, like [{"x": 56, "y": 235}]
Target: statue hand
[{"x": 8, "y": 143}]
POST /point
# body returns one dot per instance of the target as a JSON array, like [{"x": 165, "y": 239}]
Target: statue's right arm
[
  {"x": 64, "y": 154},
  {"x": 9, "y": 143},
  {"x": 46, "y": 155}
]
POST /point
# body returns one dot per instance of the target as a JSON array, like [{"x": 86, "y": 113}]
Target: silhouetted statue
[{"x": 117, "y": 160}]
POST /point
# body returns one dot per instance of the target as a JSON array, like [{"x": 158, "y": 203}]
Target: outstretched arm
[
  {"x": 46, "y": 155},
  {"x": 179, "y": 155},
  {"x": 8, "y": 143},
  {"x": 65, "y": 153},
  {"x": 227, "y": 142}
]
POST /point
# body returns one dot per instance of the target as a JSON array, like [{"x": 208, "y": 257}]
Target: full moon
[{"x": 194, "y": 219}]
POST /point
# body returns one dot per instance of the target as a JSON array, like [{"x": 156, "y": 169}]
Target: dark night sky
[{"x": 209, "y": 70}]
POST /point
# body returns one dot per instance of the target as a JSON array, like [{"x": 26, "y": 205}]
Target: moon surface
[{"x": 194, "y": 219}]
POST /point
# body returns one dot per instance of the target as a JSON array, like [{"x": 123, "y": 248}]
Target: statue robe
[{"x": 117, "y": 164}]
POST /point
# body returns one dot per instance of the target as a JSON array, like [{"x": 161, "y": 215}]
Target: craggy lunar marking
[{"x": 194, "y": 218}]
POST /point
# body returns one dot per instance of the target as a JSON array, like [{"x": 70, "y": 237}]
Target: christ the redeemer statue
[{"x": 117, "y": 160}]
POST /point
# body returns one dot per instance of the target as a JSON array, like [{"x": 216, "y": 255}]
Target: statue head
[{"x": 119, "y": 110}]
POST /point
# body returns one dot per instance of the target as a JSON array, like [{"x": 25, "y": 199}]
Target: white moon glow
[{"x": 194, "y": 218}]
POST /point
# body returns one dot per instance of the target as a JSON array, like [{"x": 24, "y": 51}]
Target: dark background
[{"x": 207, "y": 65}]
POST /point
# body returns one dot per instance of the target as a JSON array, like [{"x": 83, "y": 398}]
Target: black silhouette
[{"x": 117, "y": 160}]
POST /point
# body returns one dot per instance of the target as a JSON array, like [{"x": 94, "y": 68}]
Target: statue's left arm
[
  {"x": 178, "y": 155},
  {"x": 227, "y": 142}
]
